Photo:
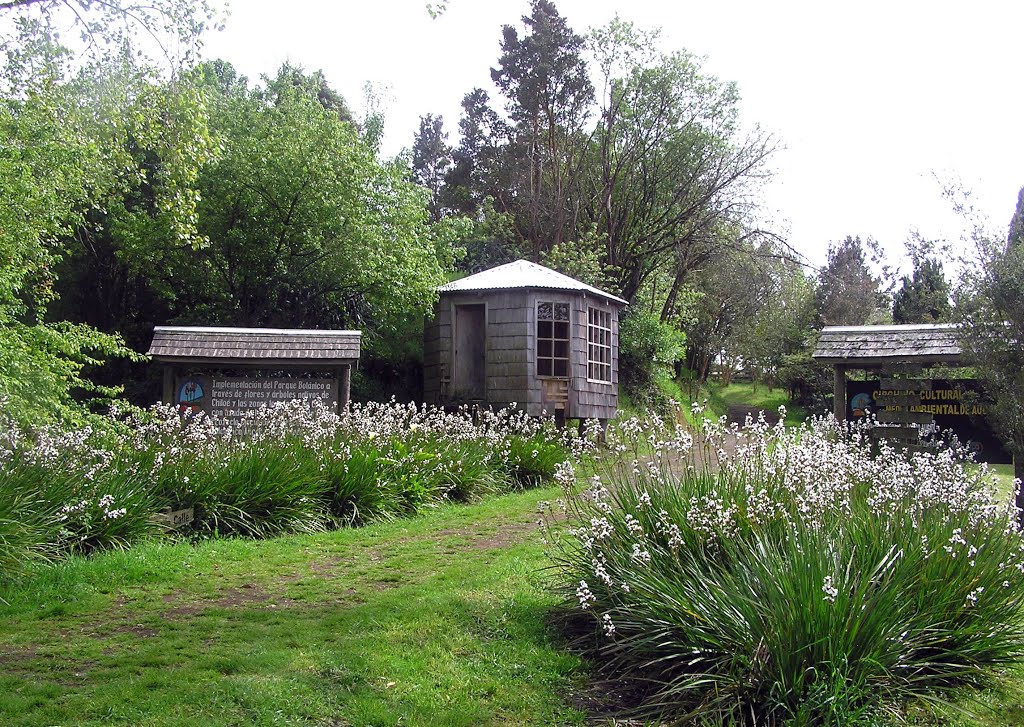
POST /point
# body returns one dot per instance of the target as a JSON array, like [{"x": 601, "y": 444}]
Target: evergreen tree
[
  {"x": 923, "y": 296},
  {"x": 544, "y": 78},
  {"x": 476, "y": 171},
  {"x": 848, "y": 294},
  {"x": 431, "y": 159}
]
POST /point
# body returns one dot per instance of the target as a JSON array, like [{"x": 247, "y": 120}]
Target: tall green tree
[
  {"x": 478, "y": 172},
  {"x": 924, "y": 295},
  {"x": 305, "y": 226},
  {"x": 671, "y": 176},
  {"x": 431, "y": 159},
  {"x": 544, "y": 78},
  {"x": 848, "y": 293},
  {"x": 76, "y": 130},
  {"x": 990, "y": 309},
  {"x": 755, "y": 307}
]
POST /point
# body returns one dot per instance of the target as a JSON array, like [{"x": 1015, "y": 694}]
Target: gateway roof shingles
[
  {"x": 523, "y": 274},
  {"x": 175, "y": 343},
  {"x": 919, "y": 343}
]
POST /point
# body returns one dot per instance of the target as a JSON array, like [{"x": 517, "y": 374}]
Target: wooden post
[
  {"x": 344, "y": 387},
  {"x": 839, "y": 389},
  {"x": 168, "y": 394}
]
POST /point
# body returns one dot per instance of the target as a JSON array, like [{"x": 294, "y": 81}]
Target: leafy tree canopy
[
  {"x": 301, "y": 224},
  {"x": 75, "y": 125}
]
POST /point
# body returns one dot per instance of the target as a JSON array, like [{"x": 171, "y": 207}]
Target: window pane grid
[
  {"x": 599, "y": 345},
  {"x": 553, "y": 339}
]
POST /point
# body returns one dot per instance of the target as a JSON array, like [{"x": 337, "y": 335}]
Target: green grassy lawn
[
  {"x": 718, "y": 399},
  {"x": 438, "y": 620},
  {"x": 757, "y": 396},
  {"x": 1004, "y": 473}
]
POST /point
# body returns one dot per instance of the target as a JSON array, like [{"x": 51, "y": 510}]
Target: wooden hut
[{"x": 523, "y": 334}]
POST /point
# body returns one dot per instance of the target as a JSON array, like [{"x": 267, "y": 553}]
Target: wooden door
[{"x": 470, "y": 351}]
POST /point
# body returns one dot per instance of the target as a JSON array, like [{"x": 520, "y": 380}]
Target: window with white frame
[
  {"x": 599, "y": 345},
  {"x": 553, "y": 339}
]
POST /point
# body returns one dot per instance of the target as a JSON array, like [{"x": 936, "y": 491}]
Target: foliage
[
  {"x": 848, "y": 293},
  {"x": 305, "y": 226},
  {"x": 76, "y": 131},
  {"x": 491, "y": 241},
  {"x": 431, "y": 159},
  {"x": 670, "y": 177},
  {"x": 299, "y": 225},
  {"x": 41, "y": 367},
  {"x": 800, "y": 581},
  {"x": 582, "y": 259},
  {"x": 544, "y": 79},
  {"x": 68, "y": 496},
  {"x": 646, "y": 347},
  {"x": 171, "y": 30},
  {"x": 534, "y": 460},
  {"x": 808, "y": 381},
  {"x": 756, "y": 306},
  {"x": 990, "y": 310},
  {"x": 653, "y": 190},
  {"x": 923, "y": 296},
  {"x": 781, "y": 325},
  {"x": 477, "y": 172}
]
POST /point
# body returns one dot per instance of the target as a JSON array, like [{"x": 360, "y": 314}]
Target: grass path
[{"x": 438, "y": 620}]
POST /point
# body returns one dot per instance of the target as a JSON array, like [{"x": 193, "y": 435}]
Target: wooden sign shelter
[
  {"x": 526, "y": 335},
  {"x": 884, "y": 347},
  {"x": 903, "y": 397},
  {"x": 229, "y": 371}
]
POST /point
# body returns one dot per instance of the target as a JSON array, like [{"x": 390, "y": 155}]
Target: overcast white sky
[{"x": 871, "y": 99}]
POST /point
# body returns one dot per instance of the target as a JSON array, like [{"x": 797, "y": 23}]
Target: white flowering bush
[
  {"x": 291, "y": 467},
  {"x": 68, "y": 492},
  {"x": 793, "y": 577}
]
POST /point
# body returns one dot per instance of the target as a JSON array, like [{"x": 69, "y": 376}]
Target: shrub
[
  {"x": 292, "y": 467},
  {"x": 71, "y": 493},
  {"x": 468, "y": 470},
  {"x": 800, "y": 582},
  {"x": 261, "y": 490},
  {"x": 534, "y": 459},
  {"x": 23, "y": 535},
  {"x": 357, "y": 491},
  {"x": 648, "y": 348}
]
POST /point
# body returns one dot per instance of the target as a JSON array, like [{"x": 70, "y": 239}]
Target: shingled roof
[
  {"x": 523, "y": 274},
  {"x": 878, "y": 345},
  {"x": 188, "y": 344}
]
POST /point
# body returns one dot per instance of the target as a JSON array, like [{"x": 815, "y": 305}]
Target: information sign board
[{"x": 229, "y": 398}]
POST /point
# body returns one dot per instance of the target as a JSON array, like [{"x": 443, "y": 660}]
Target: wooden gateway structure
[
  {"x": 896, "y": 349},
  {"x": 523, "y": 334},
  {"x": 899, "y": 391},
  {"x": 227, "y": 372}
]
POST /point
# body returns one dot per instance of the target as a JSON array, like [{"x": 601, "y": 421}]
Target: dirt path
[{"x": 738, "y": 413}]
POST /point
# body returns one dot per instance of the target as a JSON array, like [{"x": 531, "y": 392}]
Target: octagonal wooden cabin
[{"x": 527, "y": 335}]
